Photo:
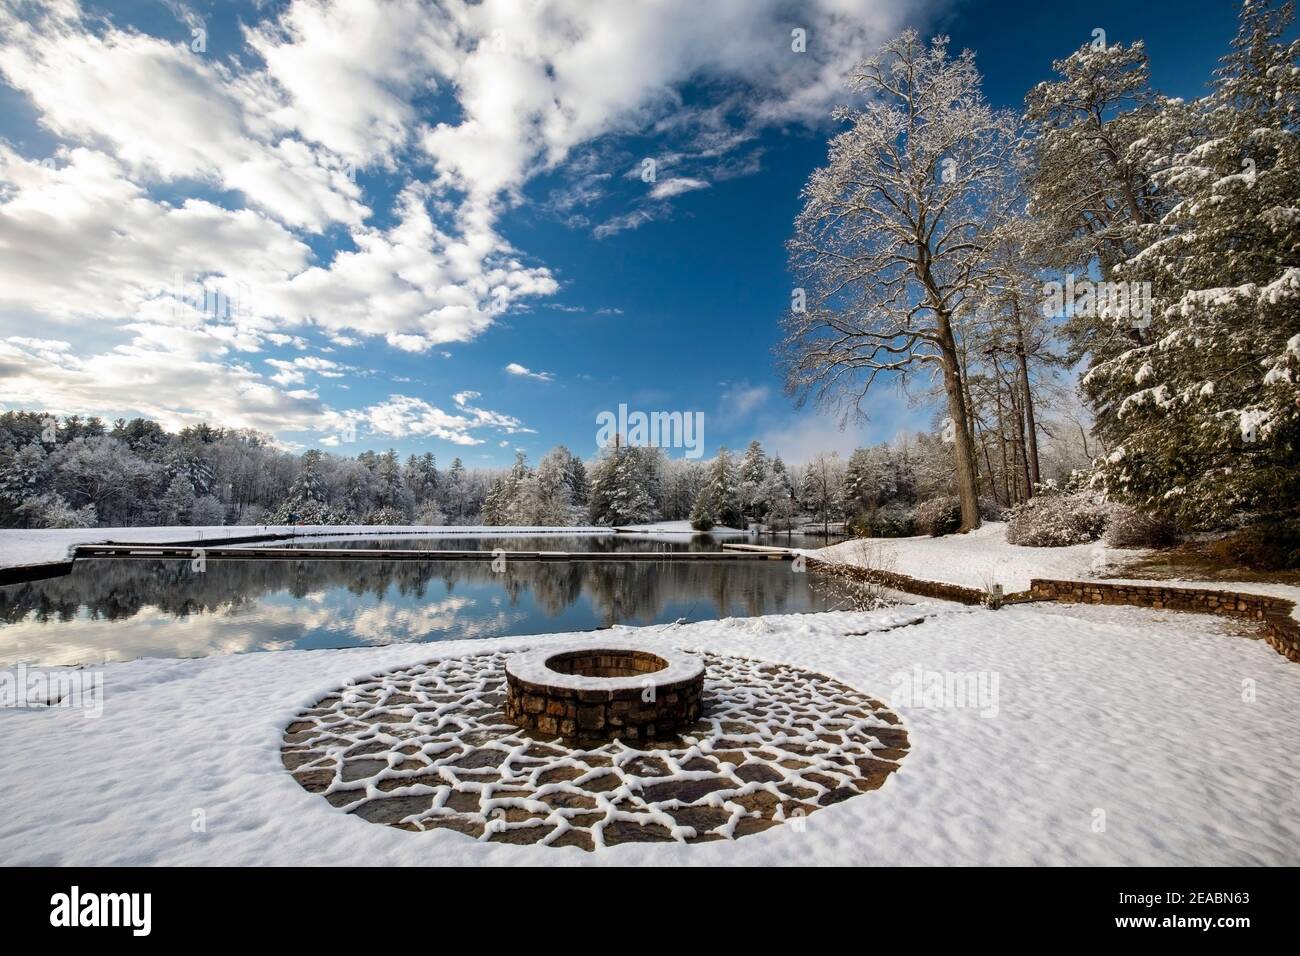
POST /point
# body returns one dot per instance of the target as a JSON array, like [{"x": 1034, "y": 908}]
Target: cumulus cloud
[{"x": 246, "y": 174}]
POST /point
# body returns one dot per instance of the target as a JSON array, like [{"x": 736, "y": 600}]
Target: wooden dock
[{"x": 219, "y": 553}]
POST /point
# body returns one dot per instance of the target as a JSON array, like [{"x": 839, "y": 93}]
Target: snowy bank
[
  {"x": 976, "y": 559},
  {"x": 983, "y": 557},
  {"x": 1120, "y": 736}
]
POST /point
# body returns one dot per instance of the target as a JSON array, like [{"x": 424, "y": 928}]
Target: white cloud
[
  {"x": 741, "y": 399},
  {"x": 165, "y": 112},
  {"x": 404, "y": 416},
  {"x": 153, "y": 140},
  {"x": 348, "y": 71},
  {"x": 176, "y": 388},
  {"x": 676, "y": 186},
  {"x": 514, "y": 368}
]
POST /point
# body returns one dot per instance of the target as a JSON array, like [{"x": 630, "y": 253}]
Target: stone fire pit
[{"x": 604, "y": 691}]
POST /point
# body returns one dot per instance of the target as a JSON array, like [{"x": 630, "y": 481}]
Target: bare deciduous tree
[{"x": 895, "y": 234}]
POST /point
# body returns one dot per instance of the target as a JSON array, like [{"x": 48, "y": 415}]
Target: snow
[
  {"x": 975, "y": 559},
  {"x": 531, "y": 666},
  {"x": 1133, "y": 717},
  {"x": 983, "y": 556},
  {"x": 23, "y": 547},
  {"x": 677, "y": 527}
]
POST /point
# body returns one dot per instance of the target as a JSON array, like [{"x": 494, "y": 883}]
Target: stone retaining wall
[
  {"x": 1281, "y": 630},
  {"x": 902, "y": 582}
]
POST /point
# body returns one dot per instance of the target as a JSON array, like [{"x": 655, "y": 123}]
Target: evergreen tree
[
  {"x": 720, "y": 495},
  {"x": 753, "y": 489},
  {"x": 1200, "y": 408}
]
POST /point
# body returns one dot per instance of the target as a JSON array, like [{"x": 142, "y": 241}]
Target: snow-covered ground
[
  {"x": 978, "y": 558},
  {"x": 19, "y": 547},
  {"x": 983, "y": 557},
  {"x": 1120, "y": 736}
]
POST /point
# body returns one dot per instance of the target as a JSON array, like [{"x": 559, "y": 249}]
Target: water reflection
[{"x": 122, "y": 609}]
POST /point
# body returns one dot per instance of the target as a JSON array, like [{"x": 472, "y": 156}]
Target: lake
[{"x": 113, "y": 609}]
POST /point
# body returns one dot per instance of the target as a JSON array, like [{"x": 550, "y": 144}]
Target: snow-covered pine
[
  {"x": 1090, "y": 190},
  {"x": 754, "y": 486},
  {"x": 719, "y": 497},
  {"x": 625, "y": 485},
  {"x": 1203, "y": 408}
]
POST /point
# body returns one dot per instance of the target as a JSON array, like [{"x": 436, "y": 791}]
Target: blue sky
[{"x": 433, "y": 219}]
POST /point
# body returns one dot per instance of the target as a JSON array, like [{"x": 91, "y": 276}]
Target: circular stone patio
[{"x": 429, "y": 747}]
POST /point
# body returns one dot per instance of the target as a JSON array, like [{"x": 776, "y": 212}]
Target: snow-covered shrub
[
  {"x": 308, "y": 512},
  {"x": 251, "y": 514},
  {"x": 207, "y": 510},
  {"x": 53, "y": 511},
  {"x": 430, "y": 514},
  {"x": 1055, "y": 521},
  {"x": 385, "y": 516},
  {"x": 942, "y": 515},
  {"x": 891, "y": 521},
  {"x": 938, "y": 516},
  {"x": 702, "y": 522},
  {"x": 1130, "y": 528}
]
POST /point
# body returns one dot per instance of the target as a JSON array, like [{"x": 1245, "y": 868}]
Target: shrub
[
  {"x": 208, "y": 510},
  {"x": 938, "y": 516},
  {"x": 53, "y": 511},
  {"x": 895, "y": 521},
  {"x": 891, "y": 521},
  {"x": 385, "y": 516},
  {"x": 855, "y": 583},
  {"x": 1130, "y": 528},
  {"x": 1271, "y": 547},
  {"x": 309, "y": 512},
  {"x": 702, "y": 522},
  {"x": 430, "y": 514},
  {"x": 1056, "y": 521}
]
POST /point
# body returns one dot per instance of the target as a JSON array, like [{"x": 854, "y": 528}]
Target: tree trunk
[
  {"x": 963, "y": 446},
  {"x": 1022, "y": 453},
  {"x": 1002, "y": 437},
  {"x": 1031, "y": 425}
]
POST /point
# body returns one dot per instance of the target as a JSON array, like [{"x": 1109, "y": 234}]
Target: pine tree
[
  {"x": 720, "y": 495},
  {"x": 1089, "y": 187},
  {"x": 1201, "y": 408},
  {"x": 753, "y": 489},
  {"x": 625, "y": 485}
]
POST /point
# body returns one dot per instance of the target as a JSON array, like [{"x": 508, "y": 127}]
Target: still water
[{"x": 108, "y": 609}]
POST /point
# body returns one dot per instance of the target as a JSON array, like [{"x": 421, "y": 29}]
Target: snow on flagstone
[
  {"x": 431, "y": 747},
  {"x": 1114, "y": 735}
]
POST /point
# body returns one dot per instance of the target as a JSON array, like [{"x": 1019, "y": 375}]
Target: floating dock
[{"x": 218, "y": 553}]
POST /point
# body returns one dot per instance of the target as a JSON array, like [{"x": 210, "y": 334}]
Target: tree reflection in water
[{"x": 116, "y": 609}]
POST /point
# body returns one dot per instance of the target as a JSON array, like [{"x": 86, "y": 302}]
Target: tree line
[{"x": 80, "y": 472}]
